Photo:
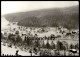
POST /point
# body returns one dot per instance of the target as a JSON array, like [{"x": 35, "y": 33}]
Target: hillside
[{"x": 66, "y": 17}]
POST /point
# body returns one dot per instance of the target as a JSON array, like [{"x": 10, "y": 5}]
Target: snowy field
[{"x": 11, "y": 51}]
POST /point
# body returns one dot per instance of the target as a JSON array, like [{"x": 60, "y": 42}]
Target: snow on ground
[
  {"x": 6, "y": 50},
  {"x": 47, "y": 34},
  {"x": 11, "y": 51},
  {"x": 4, "y": 23}
]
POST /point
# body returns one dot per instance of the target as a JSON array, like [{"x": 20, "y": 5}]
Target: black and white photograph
[{"x": 39, "y": 28}]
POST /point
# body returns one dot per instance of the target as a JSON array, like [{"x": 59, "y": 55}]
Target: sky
[{"x": 22, "y": 6}]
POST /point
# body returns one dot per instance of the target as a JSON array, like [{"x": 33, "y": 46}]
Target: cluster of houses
[
  {"x": 61, "y": 34},
  {"x": 56, "y": 32},
  {"x": 39, "y": 32}
]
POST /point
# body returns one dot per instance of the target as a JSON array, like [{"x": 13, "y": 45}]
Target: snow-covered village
[
  {"x": 48, "y": 32},
  {"x": 62, "y": 37}
]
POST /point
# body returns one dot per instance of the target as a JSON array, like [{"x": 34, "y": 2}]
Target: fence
[{"x": 9, "y": 55}]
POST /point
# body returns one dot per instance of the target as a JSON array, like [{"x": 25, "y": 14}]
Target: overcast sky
[{"x": 21, "y": 6}]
